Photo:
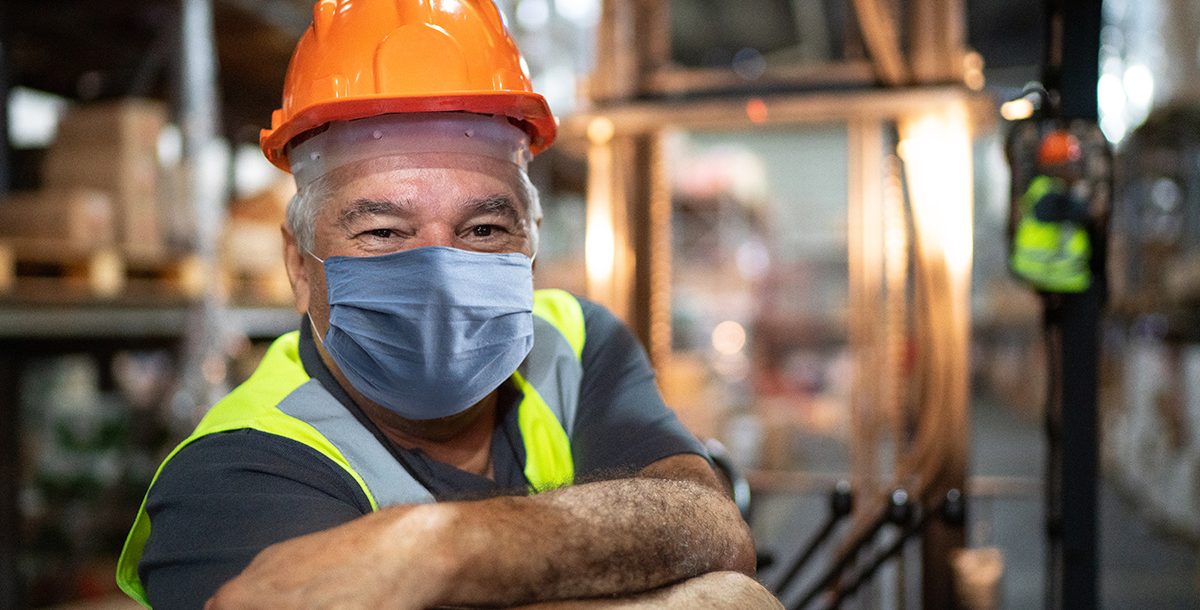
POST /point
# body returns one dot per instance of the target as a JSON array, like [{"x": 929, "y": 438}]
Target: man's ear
[{"x": 293, "y": 258}]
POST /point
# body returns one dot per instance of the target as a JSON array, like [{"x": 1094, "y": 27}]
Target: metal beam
[
  {"x": 936, "y": 40},
  {"x": 881, "y": 34},
  {"x": 205, "y": 164}
]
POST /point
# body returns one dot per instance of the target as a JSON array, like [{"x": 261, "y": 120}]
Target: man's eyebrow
[
  {"x": 371, "y": 207},
  {"x": 498, "y": 203}
]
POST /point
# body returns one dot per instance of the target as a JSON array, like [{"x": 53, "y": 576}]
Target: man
[
  {"x": 1051, "y": 247},
  {"x": 435, "y": 434}
]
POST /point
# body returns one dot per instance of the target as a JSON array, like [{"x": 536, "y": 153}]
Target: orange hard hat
[
  {"x": 364, "y": 58},
  {"x": 1059, "y": 147}
]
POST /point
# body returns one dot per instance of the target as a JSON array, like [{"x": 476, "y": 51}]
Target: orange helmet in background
[
  {"x": 364, "y": 58},
  {"x": 1059, "y": 147}
]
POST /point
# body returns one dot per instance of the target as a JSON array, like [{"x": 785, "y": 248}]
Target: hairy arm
[{"x": 609, "y": 538}]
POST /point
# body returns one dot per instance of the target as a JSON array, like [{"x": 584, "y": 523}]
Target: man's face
[{"x": 403, "y": 202}]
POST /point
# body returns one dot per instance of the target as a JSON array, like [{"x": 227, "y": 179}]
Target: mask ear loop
[
  {"x": 537, "y": 243},
  {"x": 307, "y": 313}
]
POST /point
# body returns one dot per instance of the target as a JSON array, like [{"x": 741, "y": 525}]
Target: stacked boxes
[
  {"x": 113, "y": 147},
  {"x": 252, "y": 247},
  {"x": 97, "y": 214}
]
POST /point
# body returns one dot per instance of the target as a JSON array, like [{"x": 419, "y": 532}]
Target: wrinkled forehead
[
  {"x": 417, "y": 139},
  {"x": 473, "y": 175}
]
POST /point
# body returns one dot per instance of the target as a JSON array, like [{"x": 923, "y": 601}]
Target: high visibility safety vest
[
  {"x": 1050, "y": 256},
  {"x": 281, "y": 399}
]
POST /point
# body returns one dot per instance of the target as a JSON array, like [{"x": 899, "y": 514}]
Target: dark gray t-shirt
[{"x": 227, "y": 496}]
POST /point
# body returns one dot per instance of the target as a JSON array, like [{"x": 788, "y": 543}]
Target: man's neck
[{"x": 463, "y": 440}]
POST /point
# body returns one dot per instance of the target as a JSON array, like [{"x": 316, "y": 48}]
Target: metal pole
[
  {"x": 1073, "y": 326},
  {"x": 205, "y": 163},
  {"x": 11, "y": 590},
  {"x": 10, "y": 438},
  {"x": 5, "y": 157}
]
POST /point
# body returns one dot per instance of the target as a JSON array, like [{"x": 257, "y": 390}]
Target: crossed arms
[{"x": 669, "y": 536}]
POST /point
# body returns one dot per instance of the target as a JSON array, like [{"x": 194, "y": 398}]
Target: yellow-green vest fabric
[
  {"x": 1050, "y": 256},
  {"x": 548, "y": 379}
]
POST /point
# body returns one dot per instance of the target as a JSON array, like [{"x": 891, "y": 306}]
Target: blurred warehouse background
[{"x": 802, "y": 208}]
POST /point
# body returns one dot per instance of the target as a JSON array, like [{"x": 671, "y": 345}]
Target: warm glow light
[
  {"x": 973, "y": 71},
  {"x": 756, "y": 111},
  {"x": 600, "y": 130},
  {"x": 1017, "y": 110},
  {"x": 728, "y": 338},
  {"x": 599, "y": 249},
  {"x": 936, "y": 149},
  {"x": 600, "y": 238}
]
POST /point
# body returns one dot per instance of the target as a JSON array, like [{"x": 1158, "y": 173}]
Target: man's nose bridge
[{"x": 434, "y": 234}]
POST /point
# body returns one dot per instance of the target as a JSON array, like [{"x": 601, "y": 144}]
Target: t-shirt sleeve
[
  {"x": 224, "y": 498},
  {"x": 622, "y": 424}
]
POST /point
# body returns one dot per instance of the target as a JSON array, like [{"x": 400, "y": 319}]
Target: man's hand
[{"x": 610, "y": 538}]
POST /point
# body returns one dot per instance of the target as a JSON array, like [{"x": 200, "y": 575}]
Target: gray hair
[{"x": 306, "y": 203}]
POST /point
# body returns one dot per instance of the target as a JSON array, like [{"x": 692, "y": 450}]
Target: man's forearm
[{"x": 605, "y": 538}]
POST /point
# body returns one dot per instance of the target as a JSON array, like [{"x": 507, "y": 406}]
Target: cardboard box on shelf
[
  {"x": 132, "y": 125},
  {"x": 113, "y": 147},
  {"x": 130, "y": 179},
  {"x": 252, "y": 247}
]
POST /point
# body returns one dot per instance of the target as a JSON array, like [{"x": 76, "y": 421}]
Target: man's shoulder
[
  {"x": 253, "y": 462},
  {"x": 598, "y": 319}
]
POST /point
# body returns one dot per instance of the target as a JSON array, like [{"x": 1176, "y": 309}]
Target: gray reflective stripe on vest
[
  {"x": 554, "y": 371},
  {"x": 387, "y": 479}
]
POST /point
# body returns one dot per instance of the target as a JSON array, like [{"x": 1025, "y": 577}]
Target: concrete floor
[{"x": 1141, "y": 568}]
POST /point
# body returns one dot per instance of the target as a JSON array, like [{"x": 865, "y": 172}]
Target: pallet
[
  {"x": 156, "y": 273},
  {"x": 50, "y": 270}
]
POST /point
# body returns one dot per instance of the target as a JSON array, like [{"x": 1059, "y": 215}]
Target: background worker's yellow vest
[
  {"x": 279, "y": 398},
  {"x": 1051, "y": 256}
]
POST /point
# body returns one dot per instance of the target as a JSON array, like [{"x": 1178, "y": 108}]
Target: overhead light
[
  {"x": 1017, "y": 110},
  {"x": 1033, "y": 98}
]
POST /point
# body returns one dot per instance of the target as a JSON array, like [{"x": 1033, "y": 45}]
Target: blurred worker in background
[
  {"x": 1051, "y": 247},
  {"x": 436, "y": 433}
]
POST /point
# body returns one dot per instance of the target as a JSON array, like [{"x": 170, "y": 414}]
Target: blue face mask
[{"x": 428, "y": 332}]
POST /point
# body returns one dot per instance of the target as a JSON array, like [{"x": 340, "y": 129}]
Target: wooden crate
[
  {"x": 154, "y": 273},
  {"x": 51, "y": 270},
  {"x": 45, "y": 269}
]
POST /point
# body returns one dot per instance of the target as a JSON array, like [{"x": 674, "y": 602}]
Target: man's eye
[
  {"x": 381, "y": 233},
  {"x": 483, "y": 230}
]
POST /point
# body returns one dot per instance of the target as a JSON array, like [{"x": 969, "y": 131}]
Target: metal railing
[{"x": 850, "y": 570}]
